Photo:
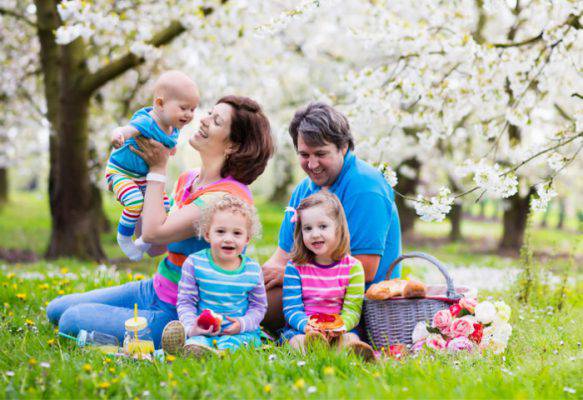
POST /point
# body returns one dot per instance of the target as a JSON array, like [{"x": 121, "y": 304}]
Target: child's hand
[
  {"x": 117, "y": 139},
  {"x": 234, "y": 328},
  {"x": 310, "y": 329},
  {"x": 333, "y": 334},
  {"x": 196, "y": 330},
  {"x": 173, "y": 151}
]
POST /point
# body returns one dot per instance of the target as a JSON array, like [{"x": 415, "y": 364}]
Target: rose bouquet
[{"x": 466, "y": 326}]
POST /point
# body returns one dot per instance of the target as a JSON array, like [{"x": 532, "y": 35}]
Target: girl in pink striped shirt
[{"x": 322, "y": 277}]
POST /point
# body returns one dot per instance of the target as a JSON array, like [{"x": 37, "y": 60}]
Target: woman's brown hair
[
  {"x": 251, "y": 135},
  {"x": 300, "y": 253}
]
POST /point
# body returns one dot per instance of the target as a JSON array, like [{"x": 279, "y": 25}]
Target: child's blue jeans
[{"x": 106, "y": 310}]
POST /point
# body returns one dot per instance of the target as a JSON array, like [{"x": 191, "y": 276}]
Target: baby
[{"x": 175, "y": 99}]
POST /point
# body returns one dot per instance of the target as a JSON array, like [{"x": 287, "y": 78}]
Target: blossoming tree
[
  {"x": 480, "y": 97},
  {"x": 452, "y": 99},
  {"x": 79, "y": 47}
]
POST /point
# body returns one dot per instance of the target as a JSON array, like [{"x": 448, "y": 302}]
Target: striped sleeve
[
  {"x": 352, "y": 305},
  {"x": 188, "y": 296},
  {"x": 293, "y": 305},
  {"x": 257, "y": 307}
]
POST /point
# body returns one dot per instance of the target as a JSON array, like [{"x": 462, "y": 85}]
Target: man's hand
[
  {"x": 234, "y": 328},
  {"x": 117, "y": 138},
  {"x": 273, "y": 275},
  {"x": 274, "y": 269}
]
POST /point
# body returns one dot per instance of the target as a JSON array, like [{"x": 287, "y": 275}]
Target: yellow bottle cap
[{"x": 136, "y": 323}]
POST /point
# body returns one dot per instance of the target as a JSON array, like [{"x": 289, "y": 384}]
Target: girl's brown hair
[
  {"x": 300, "y": 253},
  {"x": 251, "y": 134}
]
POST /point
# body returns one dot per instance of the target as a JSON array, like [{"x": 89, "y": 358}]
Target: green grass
[{"x": 543, "y": 358}]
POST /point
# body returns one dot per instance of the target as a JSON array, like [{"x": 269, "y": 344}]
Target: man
[{"x": 324, "y": 144}]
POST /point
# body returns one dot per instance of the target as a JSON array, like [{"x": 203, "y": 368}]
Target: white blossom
[
  {"x": 436, "y": 208},
  {"x": 544, "y": 194},
  {"x": 556, "y": 161},
  {"x": 389, "y": 174},
  {"x": 497, "y": 181}
]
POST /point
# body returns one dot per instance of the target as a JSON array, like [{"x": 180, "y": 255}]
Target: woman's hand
[
  {"x": 154, "y": 153},
  {"x": 234, "y": 328}
]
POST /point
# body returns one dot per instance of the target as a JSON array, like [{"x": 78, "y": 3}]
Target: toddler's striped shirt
[{"x": 238, "y": 294}]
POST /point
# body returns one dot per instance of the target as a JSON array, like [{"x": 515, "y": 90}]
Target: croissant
[
  {"x": 386, "y": 289},
  {"x": 414, "y": 289}
]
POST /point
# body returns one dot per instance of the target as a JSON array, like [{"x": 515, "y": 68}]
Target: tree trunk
[
  {"x": 482, "y": 213},
  {"x": 407, "y": 186},
  {"x": 68, "y": 86},
  {"x": 96, "y": 204},
  {"x": 455, "y": 215},
  {"x": 562, "y": 213},
  {"x": 455, "y": 220},
  {"x": 496, "y": 214},
  {"x": 514, "y": 222},
  {"x": 74, "y": 230},
  {"x": 283, "y": 171},
  {"x": 545, "y": 219},
  {"x": 3, "y": 186}
]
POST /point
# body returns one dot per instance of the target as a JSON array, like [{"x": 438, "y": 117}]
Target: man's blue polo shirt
[{"x": 369, "y": 204}]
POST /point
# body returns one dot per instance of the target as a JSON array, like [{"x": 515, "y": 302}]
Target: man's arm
[
  {"x": 370, "y": 263},
  {"x": 274, "y": 268}
]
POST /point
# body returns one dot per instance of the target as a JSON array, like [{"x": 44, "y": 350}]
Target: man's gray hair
[{"x": 320, "y": 124}]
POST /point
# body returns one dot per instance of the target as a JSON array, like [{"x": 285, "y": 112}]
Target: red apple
[{"x": 208, "y": 318}]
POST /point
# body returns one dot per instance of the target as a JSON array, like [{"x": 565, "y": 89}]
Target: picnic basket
[{"x": 392, "y": 321}]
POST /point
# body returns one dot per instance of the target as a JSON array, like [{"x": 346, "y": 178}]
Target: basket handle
[{"x": 451, "y": 294}]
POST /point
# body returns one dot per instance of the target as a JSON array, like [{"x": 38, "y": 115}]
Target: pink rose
[
  {"x": 461, "y": 327},
  {"x": 468, "y": 304},
  {"x": 455, "y": 310},
  {"x": 459, "y": 344},
  {"x": 435, "y": 342},
  {"x": 442, "y": 321}
]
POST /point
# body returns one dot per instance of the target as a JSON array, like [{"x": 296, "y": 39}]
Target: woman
[{"x": 234, "y": 142}]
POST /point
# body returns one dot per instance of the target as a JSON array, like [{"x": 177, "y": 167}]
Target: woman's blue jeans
[{"x": 106, "y": 310}]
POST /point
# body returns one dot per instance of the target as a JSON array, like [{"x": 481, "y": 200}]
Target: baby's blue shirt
[{"x": 145, "y": 123}]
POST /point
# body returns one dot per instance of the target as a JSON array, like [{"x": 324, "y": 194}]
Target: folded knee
[
  {"x": 55, "y": 309},
  {"x": 70, "y": 320}
]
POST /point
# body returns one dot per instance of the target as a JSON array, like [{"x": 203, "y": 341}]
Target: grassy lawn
[{"x": 544, "y": 358}]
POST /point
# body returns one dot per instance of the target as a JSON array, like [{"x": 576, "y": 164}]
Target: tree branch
[
  {"x": 117, "y": 67},
  {"x": 477, "y": 34},
  {"x": 563, "y": 113},
  {"x": 18, "y": 16},
  {"x": 522, "y": 43},
  {"x": 572, "y": 21},
  {"x": 540, "y": 153}
]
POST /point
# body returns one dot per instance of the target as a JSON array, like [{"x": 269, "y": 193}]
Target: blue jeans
[{"x": 106, "y": 310}]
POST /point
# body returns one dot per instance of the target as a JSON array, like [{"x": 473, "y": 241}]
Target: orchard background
[{"x": 472, "y": 109}]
